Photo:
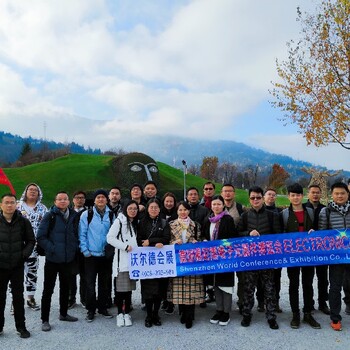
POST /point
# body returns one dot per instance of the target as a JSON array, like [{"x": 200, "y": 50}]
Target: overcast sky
[{"x": 95, "y": 71}]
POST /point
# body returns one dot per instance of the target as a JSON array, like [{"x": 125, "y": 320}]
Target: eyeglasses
[
  {"x": 255, "y": 198},
  {"x": 208, "y": 189}
]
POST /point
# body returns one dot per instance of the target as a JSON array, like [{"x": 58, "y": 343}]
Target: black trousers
[
  {"x": 322, "y": 284},
  {"x": 51, "y": 270},
  {"x": 337, "y": 273},
  {"x": 96, "y": 268},
  {"x": 307, "y": 277},
  {"x": 16, "y": 278},
  {"x": 73, "y": 281}
]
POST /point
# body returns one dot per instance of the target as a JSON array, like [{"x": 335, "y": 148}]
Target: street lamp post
[{"x": 185, "y": 171}]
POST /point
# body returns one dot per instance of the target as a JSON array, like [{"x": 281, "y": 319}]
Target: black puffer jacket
[
  {"x": 16, "y": 241},
  {"x": 264, "y": 221}
]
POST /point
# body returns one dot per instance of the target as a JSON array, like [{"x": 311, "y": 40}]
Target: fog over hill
[{"x": 172, "y": 150}]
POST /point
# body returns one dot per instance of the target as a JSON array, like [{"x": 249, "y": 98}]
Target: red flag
[{"x": 5, "y": 181}]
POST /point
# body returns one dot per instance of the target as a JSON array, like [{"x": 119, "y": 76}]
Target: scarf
[
  {"x": 207, "y": 202},
  {"x": 342, "y": 209},
  {"x": 184, "y": 223},
  {"x": 216, "y": 220}
]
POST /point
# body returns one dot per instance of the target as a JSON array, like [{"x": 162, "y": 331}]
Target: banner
[
  {"x": 242, "y": 254},
  {"x": 5, "y": 181}
]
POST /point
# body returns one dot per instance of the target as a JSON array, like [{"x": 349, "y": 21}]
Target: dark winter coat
[
  {"x": 61, "y": 242},
  {"x": 264, "y": 221},
  {"x": 161, "y": 234},
  {"x": 198, "y": 213},
  {"x": 17, "y": 241},
  {"x": 292, "y": 223},
  {"x": 227, "y": 229},
  {"x": 332, "y": 219}
]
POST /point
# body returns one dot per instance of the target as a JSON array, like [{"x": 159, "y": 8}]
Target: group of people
[{"x": 95, "y": 243}]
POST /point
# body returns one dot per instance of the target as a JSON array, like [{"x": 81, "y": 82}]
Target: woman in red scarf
[{"x": 220, "y": 225}]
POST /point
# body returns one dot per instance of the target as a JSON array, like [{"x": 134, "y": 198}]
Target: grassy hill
[{"x": 89, "y": 172}]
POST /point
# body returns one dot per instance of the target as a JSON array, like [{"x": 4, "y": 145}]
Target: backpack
[
  {"x": 109, "y": 249},
  {"x": 285, "y": 215},
  {"x": 52, "y": 220}
]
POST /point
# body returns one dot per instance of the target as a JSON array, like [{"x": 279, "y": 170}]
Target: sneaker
[
  {"x": 170, "y": 309},
  {"x": 127, "y": 320},
  {"x": 23, "y": 333},
  {"x": 90, "y": 316},
  {"x": 46, "y": 327},
  {"x": 120, "y": 320},
  {"x": 105, "y": 313},
  {"x": 273, "y": 324},
  {"x": 215, "y": 319},
  {"x": 336, "y": 325},
  {"x": 224, "y": 319},
  {"x": 295, "y": 323},
  {"x": 12, "y": 310},
  {"x": 308, "y": 318},
  {"x": 347, "y": 309},
  {"x": 325, "y": 309},
  {"x": 246, "y": 321},
  {"x": 68, "y": 318},
  {"x": 32, "y": 304},
  {"x": 71, "y": 304}
]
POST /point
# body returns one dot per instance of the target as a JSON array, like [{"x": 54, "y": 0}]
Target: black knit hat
[{"x": 100, "y": 191}]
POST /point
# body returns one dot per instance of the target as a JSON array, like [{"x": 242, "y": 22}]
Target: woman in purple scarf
[{"x": 220, "y": 225}]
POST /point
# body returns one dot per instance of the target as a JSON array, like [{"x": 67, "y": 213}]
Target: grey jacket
[{"x": 331, "y": 219}]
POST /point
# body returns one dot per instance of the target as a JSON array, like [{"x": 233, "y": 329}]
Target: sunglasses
[{"x": 255, "y": 198}]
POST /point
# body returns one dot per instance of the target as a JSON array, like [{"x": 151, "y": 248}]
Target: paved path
[{"x": 103, "y": 333}]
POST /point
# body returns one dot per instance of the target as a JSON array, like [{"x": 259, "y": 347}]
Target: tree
[
  {"x": 209, "y": 167},
  {"x": 315, "y": 88},
  {"x": 278, "y": 176}
]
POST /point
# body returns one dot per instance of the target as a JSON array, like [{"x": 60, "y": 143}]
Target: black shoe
[
  {"x": 295, "y": 323},
  {"x": 224, "y": 319},
  {"x": 83, "y": 304},
  {"x": 240, "y": 309},
  {"x": 90, "y": 316},
  {"x": 183, "y": 318},
  {"x": 68, "y": 318},
  {"x": 203, "y": 305},
  {"x": 273, "y": 324},
  {"x": 261, "y": 307},
  {"x": 156, "y": 321},
  {"x": 148, "y": 322},
  {"x": 23, "y": 333},
  {"x": 215, "y": 319},
  {"x": 105, "y": 313},
  {"x": 71, "y": 304},
  {"x": 170, "y": 309},
  {"x": 189, "y": 323},
  {"x": 1, "y": 331},
  {"x": 347, "y": 309},
  {"x": 325, "y": 309},
  {"x": 308, "y": 318},
  {"x": 165, "y": 305},
  {"x": 246, "y": 321}
]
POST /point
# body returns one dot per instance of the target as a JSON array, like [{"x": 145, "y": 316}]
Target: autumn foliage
[
  {"x": 314, "y": 91},
  {"x": 278, "y": 176}
]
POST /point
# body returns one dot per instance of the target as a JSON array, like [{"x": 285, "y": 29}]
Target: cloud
[{"x": 189, "y": 68}]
